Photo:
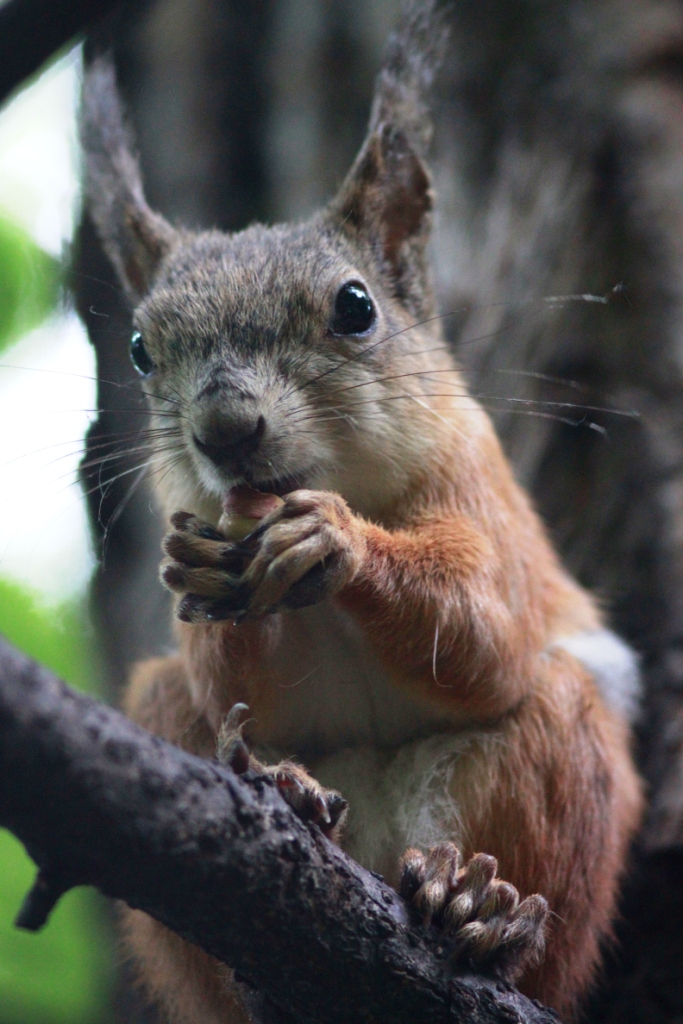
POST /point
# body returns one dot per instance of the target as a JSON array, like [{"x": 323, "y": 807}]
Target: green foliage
[
  {"x": 29, "y": 283},
  {"x": 60, "y": 638},
  {"x": 63, "y": 974},
  {"x": 60, "y": 976}
]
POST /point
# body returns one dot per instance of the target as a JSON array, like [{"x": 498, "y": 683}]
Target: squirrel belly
[{"x": 353, "y": 560}]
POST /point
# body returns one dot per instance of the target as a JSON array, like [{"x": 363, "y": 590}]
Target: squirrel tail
[{"x": 412, "y": 58}]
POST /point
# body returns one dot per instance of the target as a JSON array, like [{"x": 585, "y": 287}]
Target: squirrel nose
[{"x": 227, "y": 442}]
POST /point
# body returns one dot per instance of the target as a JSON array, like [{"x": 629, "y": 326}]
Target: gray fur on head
[{"x": 238, "y": 329}]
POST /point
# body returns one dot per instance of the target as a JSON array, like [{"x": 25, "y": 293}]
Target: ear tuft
[
  {"x": 408, "y": 196},
  {"x": 134, "y": 237},
  {"x": 412, "y": 59},
  {"x": 387, "y": 201},
  {"x": 387, "y": 197}
]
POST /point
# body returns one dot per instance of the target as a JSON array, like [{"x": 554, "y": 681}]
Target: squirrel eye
[
  {"x": 354, "y": 312},
  {"x": 140, "y": 357}
]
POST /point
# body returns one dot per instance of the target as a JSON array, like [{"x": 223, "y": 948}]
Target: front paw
[
  {"x": 483, "y": 922},
  {"x": 307, "y": 550},
  {"x": 204, "y": 569}
]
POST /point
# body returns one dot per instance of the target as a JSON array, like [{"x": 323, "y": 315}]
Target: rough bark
[{"x": 221, "y": 860}]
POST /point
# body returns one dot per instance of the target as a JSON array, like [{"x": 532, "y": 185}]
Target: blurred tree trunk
[{"x": 559, "y": 168}]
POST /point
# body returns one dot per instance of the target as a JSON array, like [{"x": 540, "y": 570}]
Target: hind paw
[
  {"x": 307, "y": 798},
  {"x": 483, "y": 922}
]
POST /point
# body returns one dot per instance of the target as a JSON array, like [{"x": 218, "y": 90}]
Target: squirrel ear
[
  {"x": 134, "y": 237},
  {"x": 387, "y": 201}
]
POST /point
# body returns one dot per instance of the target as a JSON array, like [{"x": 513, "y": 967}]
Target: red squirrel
[{"x": 396, "y": 620}]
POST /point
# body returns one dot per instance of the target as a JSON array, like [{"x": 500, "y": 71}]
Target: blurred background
[
  {"x": 558, "y": 163},
  {"x": 47, "y": 400}
]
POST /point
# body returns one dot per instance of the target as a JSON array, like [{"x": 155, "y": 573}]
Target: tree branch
[
  {"x": 221, "y": 860},
  {"x": 32, "y": 30}
]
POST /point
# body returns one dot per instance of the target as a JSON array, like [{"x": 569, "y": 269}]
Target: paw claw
[
  {"x": 238, "y": 757},
  {"x": 299, "y": 554},
  {"x": 336, "y": 806},
  {"x": 472, "y": 890},
  {"x": 179, "y": 520},
  {"x": 481, "y": 916},
  {"x": 204, "y": 569},
  {"x": 322, "y": 813},
  {"x": 230, "y": 747},
  {"x": 310, "y": 801}
]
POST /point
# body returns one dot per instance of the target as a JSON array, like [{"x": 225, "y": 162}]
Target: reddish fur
[
  {"x": 558, "y": 800},
  {"x": 449, "y": 549},
  {"x": 193, "y": 987}
]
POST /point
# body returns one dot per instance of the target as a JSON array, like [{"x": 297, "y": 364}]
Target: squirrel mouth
[{"x": 280, "y": 486}]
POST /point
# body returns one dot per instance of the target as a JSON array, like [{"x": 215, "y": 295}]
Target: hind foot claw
[
  {"x": 483, "y": 922},
  {"x": 307, "y": 798}
]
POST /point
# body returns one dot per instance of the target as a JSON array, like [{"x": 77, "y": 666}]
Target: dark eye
[
  {"x": 354, "y": 312},
  {"x": 140, "y": 357}
]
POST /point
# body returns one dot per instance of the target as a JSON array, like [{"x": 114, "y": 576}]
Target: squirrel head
[{"x": 281, "y": 356}]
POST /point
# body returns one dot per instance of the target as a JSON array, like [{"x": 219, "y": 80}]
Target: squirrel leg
[
  {"x": 190, "y": 986},
  {"x": 307, "y": 798},
  {"x": 187, "y": 984},
  {"x": 483, "y": 922}
]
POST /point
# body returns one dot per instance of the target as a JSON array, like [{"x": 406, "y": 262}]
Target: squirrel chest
[{"x": 321, "y": 688}]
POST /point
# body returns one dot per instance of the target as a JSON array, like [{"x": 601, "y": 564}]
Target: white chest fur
[{"x": 333, "y": 692}]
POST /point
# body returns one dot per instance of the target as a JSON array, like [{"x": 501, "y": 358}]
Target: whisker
[
  {"x": 126, "y": 452},
  {"x": 631, "y": 414},
  {"x": 626, "y": 413},
  {"x": 108, "y": 483},
  {"x": 97, "y": 280},
  {"x": 487, "y": 409},
  {"x": 118, "y": 438},
  {"x": 574, "y": 385},
  {"x": 163, "y": 415},
  {"x": 102, "y": 462},
  {"x": 120, "y": 508},
  {"x": 393, "y": 376},
  {"x": 85, "y": 376},
  {"x": 381, "y": 341},
  {"x": 421, "y": 323},
  {"x": 483, "y": 407},
  {"x": 544, "y": 302},
  {"x": 117, "y": 513},
  {"x": 104, "y": 487}
]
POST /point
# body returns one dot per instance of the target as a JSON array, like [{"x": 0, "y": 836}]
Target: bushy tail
[{"x": 412, "y": 59}]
